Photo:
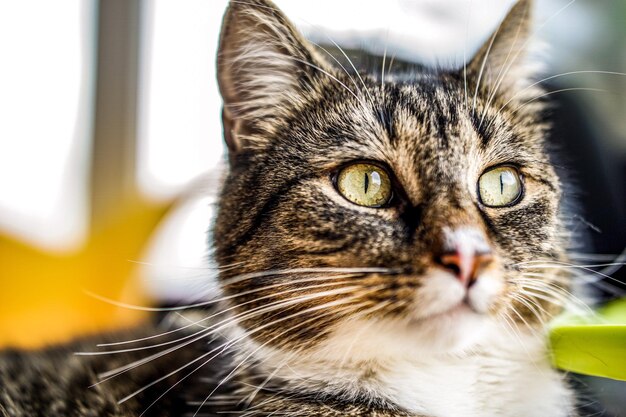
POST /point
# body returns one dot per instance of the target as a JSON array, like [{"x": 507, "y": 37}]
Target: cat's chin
[{"x": 457, "y": 328}]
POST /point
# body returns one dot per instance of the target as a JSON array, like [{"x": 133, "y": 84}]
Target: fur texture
[{"x": 330, "y": 308}]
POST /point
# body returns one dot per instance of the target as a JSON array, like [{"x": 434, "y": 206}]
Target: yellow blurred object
[{"x": 43, "y": 296}]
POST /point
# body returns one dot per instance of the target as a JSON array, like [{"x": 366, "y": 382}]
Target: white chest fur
[
  {"x": 502, "y": 376},
  {"x": 485, "y": 385}
]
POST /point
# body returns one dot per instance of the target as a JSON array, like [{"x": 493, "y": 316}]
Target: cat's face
[{"x": 406, "y": 204}]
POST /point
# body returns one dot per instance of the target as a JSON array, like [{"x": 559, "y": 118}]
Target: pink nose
[
  {"x": 464, "y": 251},
  {"x": 465, "y": 266}
]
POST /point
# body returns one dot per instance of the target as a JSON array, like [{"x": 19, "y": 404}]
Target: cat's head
[{"x": 406, "y": 203}]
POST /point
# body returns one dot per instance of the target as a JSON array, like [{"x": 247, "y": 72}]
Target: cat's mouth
[
  {"x": 459, "y": 311},
  {"x": 448, "y": 324},
  {"x": 465, "y": 307},
  {"x": 443, "y": 298}
]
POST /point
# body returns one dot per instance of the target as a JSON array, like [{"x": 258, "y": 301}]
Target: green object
[{"x": 592, "y": 346}]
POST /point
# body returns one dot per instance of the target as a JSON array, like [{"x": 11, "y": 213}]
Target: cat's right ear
[{"x": 264, "y": 68}]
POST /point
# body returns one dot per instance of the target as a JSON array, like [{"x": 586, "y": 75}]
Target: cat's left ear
[
  {"x": 265, "y": 69},
  {"x": 501, "y": 62}
]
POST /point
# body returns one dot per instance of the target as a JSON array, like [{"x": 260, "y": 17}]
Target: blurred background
[{"x": 110, "y": 139}]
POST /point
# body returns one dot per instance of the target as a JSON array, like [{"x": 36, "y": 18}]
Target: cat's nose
[
  {"x": 465, "y": 254},
  {"x": 465, "y": 266}
]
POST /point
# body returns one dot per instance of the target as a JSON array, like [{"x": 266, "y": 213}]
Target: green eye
[
  {"x": 365, "y": 184},
  {"x": 499, "y": 187}
]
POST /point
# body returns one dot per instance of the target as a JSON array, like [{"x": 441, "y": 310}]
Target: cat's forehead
[{"x": 427, "y": 119}]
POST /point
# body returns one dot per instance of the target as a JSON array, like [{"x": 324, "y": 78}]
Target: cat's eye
[
  {"x": 500, "y": 187},
  {"x": 365, "y": 184}
]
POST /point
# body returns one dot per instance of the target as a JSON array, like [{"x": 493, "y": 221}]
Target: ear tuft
[
  {"x": 264, "y": 66},
  {"x": 500, "y": 65}
]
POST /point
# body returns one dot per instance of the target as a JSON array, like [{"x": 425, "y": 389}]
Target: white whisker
[
  {"x": 355, "y": 70},
  {"x": 562, "y": 90},
  {"x": 553, "y": 77},
  {"x": 330, "y": 304}
]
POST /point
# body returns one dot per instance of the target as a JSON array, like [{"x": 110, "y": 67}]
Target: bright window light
[
  {"x": 180, "y": 134},
  {"x": 45, "y": 119}
]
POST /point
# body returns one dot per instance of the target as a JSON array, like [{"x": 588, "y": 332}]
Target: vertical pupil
[
  {"x": 366, "y": 180},
  {"x": 501, "y": 184}
]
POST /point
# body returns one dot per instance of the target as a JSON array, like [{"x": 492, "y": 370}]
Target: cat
[{"x": 376, "y": 237}]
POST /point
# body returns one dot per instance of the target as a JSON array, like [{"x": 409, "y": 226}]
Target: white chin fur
[{"x": 446, "y": 317}]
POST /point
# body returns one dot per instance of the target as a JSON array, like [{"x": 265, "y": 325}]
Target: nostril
[
  {"x": 466, "y": 267},
  {"x": 452, "y": 267},
  {"x": 482, "y": 260},
  {"x": 451, "y": 262}
]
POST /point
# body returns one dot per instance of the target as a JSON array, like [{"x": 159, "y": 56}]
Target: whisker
[
  {"x": 567, "y": 266},
  {"x": 281, "y": 303},
  {"x": 230, "y": 343},
  {"x": 382, "y": 67},
  {"x": 528, "y": 325},
  {"x": 264, "y": 288},
  {"x": 355, "y": 70},
  {"x": 549, "y": 93},
  {"x": 531, "y": 307},
  {"x": 563, "y": 74},
  {"x": 552, "y": 290},
  {"x": 261, "y": 274},
  {"x": 482, "y": 68},
  {"x": 330, "y": 304},
  {"x": 576, "y": 307},
  {"x": 341, "y": 66},
  {"x": 226, "y": 323},
  {"x": 391, "y": 61},
  {"x": 221, "y": 349},
  {"x": 591, "y": 281},
  {"x": 509, "y": 322},
  {"x": 203, "y": 268},
  {"x": 542, "y": 262},
  {"x": 619, "y": 263},
  {"x": 290, "y": 283},
  {"x": 328, "y": 75},
  {"x": 593, "y": 256},
  {"x": 247, "y": 401},
  {"x": 244, "y": 277},
  {"x": 191, "y": 324}
]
